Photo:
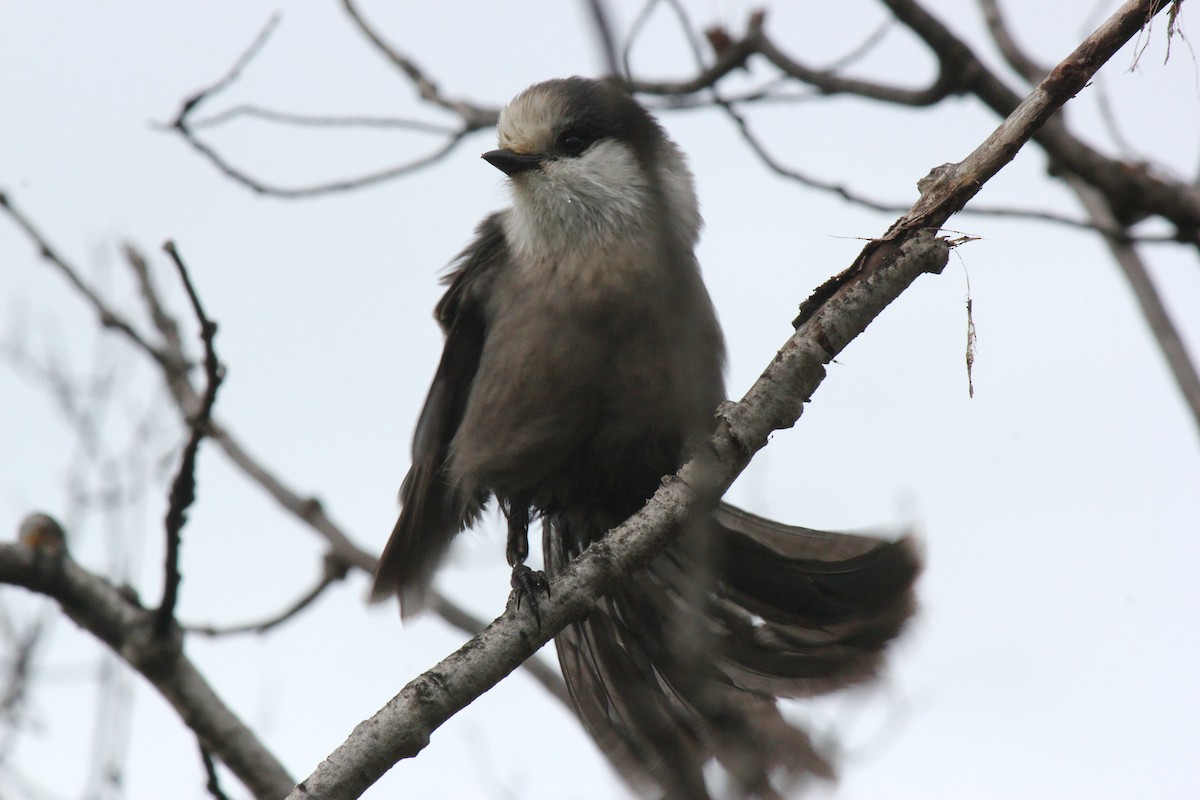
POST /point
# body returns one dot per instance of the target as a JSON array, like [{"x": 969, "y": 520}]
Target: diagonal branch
[
  {"x": 474, "y": 117},
  {"x": 1132, "y": 192},
  {"x": 403, "y": 727},
  {"x": 333, "y": 570},
  {"x": 116, "y": 619},
  {"x": 1174, "y": 350},
  {"x": 108, "y": 317},
  {"x": 956, "y": 185},
  {"x": 830, "y": 320}
]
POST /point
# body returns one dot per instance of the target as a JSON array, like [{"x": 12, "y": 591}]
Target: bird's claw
[{"x": 529, "y": 584}]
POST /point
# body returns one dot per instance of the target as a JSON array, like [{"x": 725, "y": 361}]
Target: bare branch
[
  {"x": 1170, "y": 342},
  {"x": 116, "y": 619},
  {"x": 948, "y": 82},
  {"x": 108, "y": 317},
  {"x": 862, "y": 50},
  {"x": 639, "y": 24},
  {"x": 183, "y": 487},
  {"x": 955, "y": 185},
  {"x": 235, "y": 72},
  {"x": 1016, "y": 58},
  {"x": 330, "y": 187},
  {"x": 16, "y": 677},
  {"x": 334, "y": 571},
  {"x": 320, "y": 121},
  {"x": 548, "y": 676},
  {"x": 474, "y": 117},
  {"x": 1133, "y": 192},
  {"x": 164, "y": 323},
  {"x": 733, "y": 53},
  {"x": 851, "y": 196},
  {"x": 791, "y": 173},
  {"x": 731, "y": 56}
]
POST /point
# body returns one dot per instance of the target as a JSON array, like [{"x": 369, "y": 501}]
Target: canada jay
[{"x": 582, "y": 358}]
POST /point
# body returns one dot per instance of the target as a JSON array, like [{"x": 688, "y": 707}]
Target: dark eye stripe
[{"x": 580, "y": 135}]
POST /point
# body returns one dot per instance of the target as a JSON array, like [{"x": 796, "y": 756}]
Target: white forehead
[{"x": 529, "y": 122}]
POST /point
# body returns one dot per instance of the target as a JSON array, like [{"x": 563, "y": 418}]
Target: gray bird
[{"x": 582, "y": 359}]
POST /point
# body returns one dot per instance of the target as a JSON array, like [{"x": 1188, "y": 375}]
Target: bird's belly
[{"x": 560, "y": 414}]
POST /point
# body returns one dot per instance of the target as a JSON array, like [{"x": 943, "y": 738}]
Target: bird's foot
[{"x": 528, "y": 584}]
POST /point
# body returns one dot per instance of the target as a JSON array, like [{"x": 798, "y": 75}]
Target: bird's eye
[{"x": 572, "y": 144}]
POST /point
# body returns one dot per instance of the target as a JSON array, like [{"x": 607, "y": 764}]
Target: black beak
[{"x": 511, "y": 163}]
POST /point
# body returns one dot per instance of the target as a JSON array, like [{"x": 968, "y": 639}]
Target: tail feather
[{"x": 664, "y": 683}]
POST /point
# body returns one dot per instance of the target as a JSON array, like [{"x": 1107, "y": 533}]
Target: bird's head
[{"x": 588, "y": 163}]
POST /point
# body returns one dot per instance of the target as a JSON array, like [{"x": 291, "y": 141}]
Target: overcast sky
[{"x": 1054, "y": 655}]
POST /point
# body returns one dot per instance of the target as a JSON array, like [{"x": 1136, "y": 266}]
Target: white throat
[{"x": 599, "y": 200}]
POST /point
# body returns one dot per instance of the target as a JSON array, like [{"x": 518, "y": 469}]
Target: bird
[{"x": 583, "y": 360}]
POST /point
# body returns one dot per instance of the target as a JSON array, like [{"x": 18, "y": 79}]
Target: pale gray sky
[{"x": 1054, "y": 654}]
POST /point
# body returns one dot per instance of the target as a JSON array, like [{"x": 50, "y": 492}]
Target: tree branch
[
  {"x": 334, "y": 570},
  {"x": 107, "y": 316},
  {"x": 113, "y": 616},
  {"x": 1014, "y": 56},
  {"x": 403, "y": 727},
  {"x": 1132, "y": 192},
  {"x": 171, "y": 359},
  {"x": 1170, "y": 342},
  {"x": 183, "y": 487},
  {"x": 958, "y": 184},
  {"x": 829, "y": 321},
  {"x": 474, "y": 117}
]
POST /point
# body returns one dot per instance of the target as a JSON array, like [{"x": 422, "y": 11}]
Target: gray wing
[{"x": 433, "y": 507}]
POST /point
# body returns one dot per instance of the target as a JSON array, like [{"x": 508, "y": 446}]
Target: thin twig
[
  {"x": 320, "y": 121},
  {"x": 864, "y": 49},
  {"x": 183, "y": 487},
  {"x": 108, "y": 317},
  {"x": 778, "y": 90},
  {"x": 334, "y": 571},
  {"x": 330, "y": 187},
  {"x": 474, "y": 117},
  {"x": 778, "y": 168},
  {"x": 947, "y": 82},
  {"x": 226, "y": 80},
  {"x": 164, "y": 323},
  {"x": 213, "y": 782},
  {"x": 851, "y": 196}
]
